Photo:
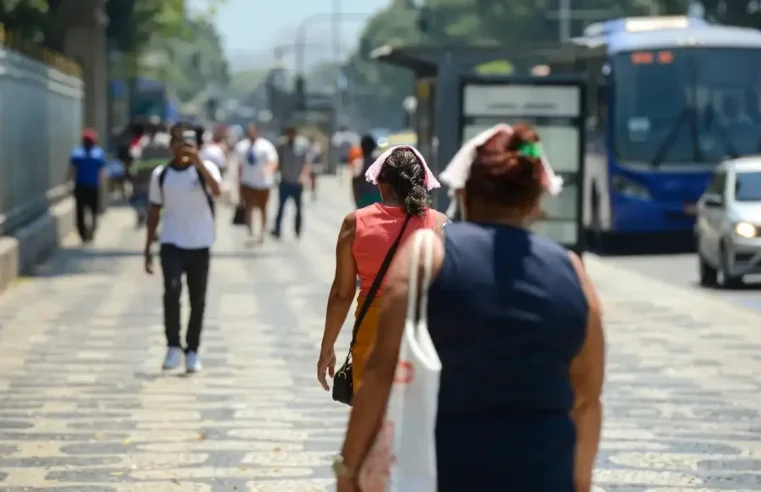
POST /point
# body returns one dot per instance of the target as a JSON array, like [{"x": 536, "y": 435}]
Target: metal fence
[{"x": 41, "y": 106}]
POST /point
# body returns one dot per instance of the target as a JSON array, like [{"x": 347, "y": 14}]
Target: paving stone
[{"x": 84, "y": 406}]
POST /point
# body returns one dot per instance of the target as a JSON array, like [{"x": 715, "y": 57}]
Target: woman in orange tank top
[{"x": 363, "y": 242}]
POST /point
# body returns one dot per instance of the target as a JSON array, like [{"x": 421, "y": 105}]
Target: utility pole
[
  {"x": 565, "y": 15},
  {"x": 564, "y": 20},
  {"x": 337, "y": 29}
]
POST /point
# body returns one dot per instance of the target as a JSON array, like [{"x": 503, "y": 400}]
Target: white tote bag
[{"x": 403, "y": 456}]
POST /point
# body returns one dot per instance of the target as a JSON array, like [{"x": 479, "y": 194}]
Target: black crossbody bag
[{"x": 343, "y": 382}]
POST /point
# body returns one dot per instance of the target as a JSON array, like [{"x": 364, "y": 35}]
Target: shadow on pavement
[{"x": 90, "y": 260}]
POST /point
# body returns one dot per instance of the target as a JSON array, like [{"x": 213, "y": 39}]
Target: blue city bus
[{"x": 669, "y": 98}]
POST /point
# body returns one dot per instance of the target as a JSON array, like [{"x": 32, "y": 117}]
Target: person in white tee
[
  {"x": 215, "y": 152},
  {"x": 184, "y": 190},
  {"x": 257, "y": 161}
]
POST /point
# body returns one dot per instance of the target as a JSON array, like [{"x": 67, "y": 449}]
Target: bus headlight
[
  {"x": 746, "y": 230},
  {"x": 630, "y": 188}
]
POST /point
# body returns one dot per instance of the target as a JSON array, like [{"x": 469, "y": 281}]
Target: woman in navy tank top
[{"x": 516, "y": 323}]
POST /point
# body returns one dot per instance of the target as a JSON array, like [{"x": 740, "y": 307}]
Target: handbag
[
  {"x": 343, "y": 383},
  {"x": 403, "y": 455},
  {"x": 239, "y": 218}
]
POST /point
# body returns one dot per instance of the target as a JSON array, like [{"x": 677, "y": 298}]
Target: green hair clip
[{"x": 530, "y": 149}]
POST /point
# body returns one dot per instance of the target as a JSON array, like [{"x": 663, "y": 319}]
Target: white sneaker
[
  {"x": 192, "y": 364},
  {"x": 172, "y": 359}
]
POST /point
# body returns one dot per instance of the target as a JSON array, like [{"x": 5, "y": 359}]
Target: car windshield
[
  {"x": 689, "y": 104},
  {"x": 748, "y": 187}
]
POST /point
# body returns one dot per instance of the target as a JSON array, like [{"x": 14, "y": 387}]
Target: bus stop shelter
[
  {"x": 456, "y": 102},
  {"x": 438, "y": 70}
]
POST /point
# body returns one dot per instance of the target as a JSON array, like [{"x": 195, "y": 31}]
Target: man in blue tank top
[{"x": 88, "y": 163}]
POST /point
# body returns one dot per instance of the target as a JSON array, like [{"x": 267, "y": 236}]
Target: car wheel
[
  {"x": 708, "y": 274},
  {"x": 728, "y": 281}
]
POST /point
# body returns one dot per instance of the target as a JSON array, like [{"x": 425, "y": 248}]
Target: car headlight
[
  {"x": 628, "y": 187},
  {"x": 746, "y": 230}
]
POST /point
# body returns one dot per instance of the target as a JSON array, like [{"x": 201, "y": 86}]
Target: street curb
[{"x": 35, "y": 242}]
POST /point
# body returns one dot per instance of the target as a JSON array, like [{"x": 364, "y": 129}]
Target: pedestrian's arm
[
  {"x": 72, "y": 168},
  {"x": 587, "y": 375},
  {"x": 155, "y": 203},
  {"x": 102, "y": 169},
  {"x": 273, "y": 162},
  {"x": 344, "y": 285},
  {"x": 371, "y": 398},
  {"x": 279, "y": 160},
  {"x": 210, "y": 175}
]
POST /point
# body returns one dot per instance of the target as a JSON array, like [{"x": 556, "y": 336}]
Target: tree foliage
[
  {"x": 190, "y": 45},
  {"x": 746, "y": 13},
  {"x": 197, "y": 60},
  {"x": 34, "y": 20}
]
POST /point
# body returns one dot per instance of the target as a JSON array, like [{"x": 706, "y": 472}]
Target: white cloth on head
[
  {"x": 429, "y": 180},
  {"x": 457, "y": 171}
]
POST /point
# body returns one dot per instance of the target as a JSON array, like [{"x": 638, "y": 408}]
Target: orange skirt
[{"x": 365, "y": 339}]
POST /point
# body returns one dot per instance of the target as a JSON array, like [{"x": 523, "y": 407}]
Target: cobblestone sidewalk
[{"x": 84, "y": 407}]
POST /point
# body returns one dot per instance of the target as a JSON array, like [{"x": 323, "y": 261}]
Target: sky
[{"x": 251, "y": 29}]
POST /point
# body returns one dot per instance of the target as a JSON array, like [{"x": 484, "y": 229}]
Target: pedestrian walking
[
  {"x": 214, "y": 151},
  {"x": 88, "y": 162},
  {"x": 181, "y": 195},
  {"x": 294, "y": 169},
  {"x": 257, "y": 161},
  {"x": 365, "y": 193},
  {"x": 150, "y": 152},
  {"x": 316, "y": 159},
  {"x": 516, "y": 324},
  {"x": 364, "y": 242}
]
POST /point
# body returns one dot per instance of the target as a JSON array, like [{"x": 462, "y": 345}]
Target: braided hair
[{"x": 405, "y": 175}]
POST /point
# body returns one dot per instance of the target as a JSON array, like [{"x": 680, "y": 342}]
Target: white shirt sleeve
[
  {"x": 271, "y": 152},
  {"x": 216, "y": 155},
  {"x": 155, "y": 197},
  {"x": 241, "y": 149},
  {"x": 213, "y": 171}
]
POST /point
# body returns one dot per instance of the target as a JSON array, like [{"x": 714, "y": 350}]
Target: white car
[{"x": 728, "y": 225}]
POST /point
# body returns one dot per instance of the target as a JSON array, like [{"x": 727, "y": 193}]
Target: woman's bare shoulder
[{"x": 350, "y": 219}]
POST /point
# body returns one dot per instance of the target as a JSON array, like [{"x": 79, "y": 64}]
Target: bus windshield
[{"x": 687, "y": 105}]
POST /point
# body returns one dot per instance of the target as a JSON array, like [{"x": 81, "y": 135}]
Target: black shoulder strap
[
  {"x": 376, "y": 284},
  {"x": 206, "y": 192},
  {"x": 162, "y": 178}
]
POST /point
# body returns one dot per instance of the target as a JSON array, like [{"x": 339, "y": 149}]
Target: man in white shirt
[
  {"x": 257, "y": 160},
  {"x": 214, "y": 151},
  {"x": 184, "y": 189}
]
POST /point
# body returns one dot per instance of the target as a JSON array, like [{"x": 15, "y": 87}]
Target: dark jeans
[
  {"x": 87, "y": 198},
  {"x": 289, "y": 191},
  {"x": 194, "y": 263}
]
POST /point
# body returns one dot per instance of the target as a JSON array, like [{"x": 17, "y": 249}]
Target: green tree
[
  {"x": 134, "y": 24},
  {"x": 742, "y": 13},
  {"x": 196, "y": 60},
  {"x": 379, "y": 89},
  {"x": 34, "y": 20}
]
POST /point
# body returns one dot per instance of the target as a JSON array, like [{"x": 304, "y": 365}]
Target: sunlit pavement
[{"x": 84, "y": 406}]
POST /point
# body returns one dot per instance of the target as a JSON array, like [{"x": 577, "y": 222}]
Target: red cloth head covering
[{"x": 90, "y": 135}]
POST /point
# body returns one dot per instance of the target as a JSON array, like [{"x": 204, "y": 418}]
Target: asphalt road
[{"x": 681, "y": 270}]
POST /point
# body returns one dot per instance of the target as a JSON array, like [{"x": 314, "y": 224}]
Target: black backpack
[{"x": 162, "y": 178}]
